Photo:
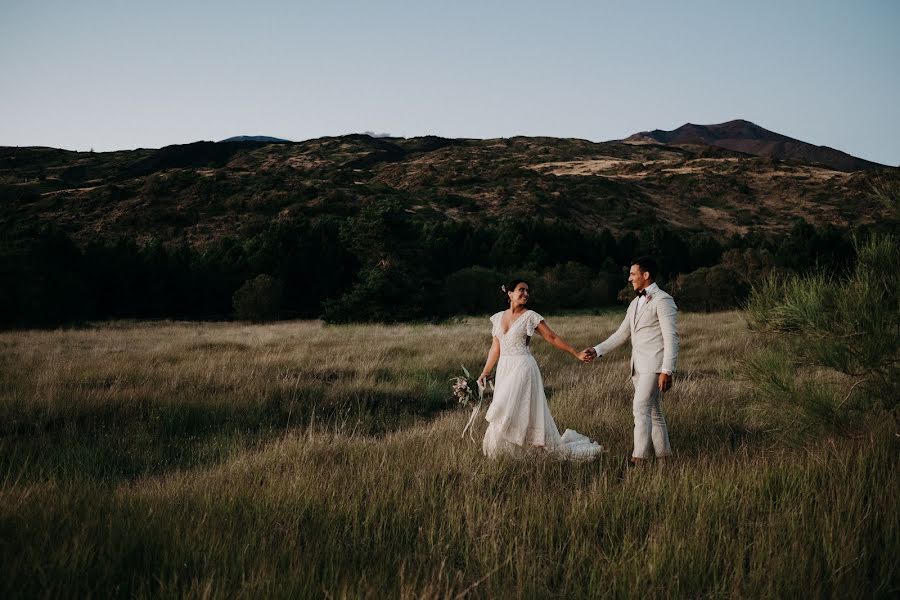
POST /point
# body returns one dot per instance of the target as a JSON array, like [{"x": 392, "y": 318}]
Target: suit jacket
[{"x": 653, "y": 335}]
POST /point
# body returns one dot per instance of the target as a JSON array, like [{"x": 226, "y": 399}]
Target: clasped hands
[{"x": 587, "y": 355}]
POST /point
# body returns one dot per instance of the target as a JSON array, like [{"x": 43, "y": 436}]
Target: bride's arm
[
  {"x": 551, "y": 336},
  {"x": 493, "y": 355}
]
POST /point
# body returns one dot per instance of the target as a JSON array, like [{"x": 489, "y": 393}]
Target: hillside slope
[{"x": 202, "y": 191}]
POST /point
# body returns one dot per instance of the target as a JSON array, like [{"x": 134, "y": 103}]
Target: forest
[{"x": 382, "y": 264}]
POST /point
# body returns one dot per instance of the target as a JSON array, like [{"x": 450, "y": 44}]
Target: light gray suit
[{"x": 653, "y": 332}]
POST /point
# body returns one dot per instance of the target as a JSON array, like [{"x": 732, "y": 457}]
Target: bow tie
[{"x": 642, "y": 293}]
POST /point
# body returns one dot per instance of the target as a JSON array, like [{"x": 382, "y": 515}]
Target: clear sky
[{"x": 109, "y": 74}]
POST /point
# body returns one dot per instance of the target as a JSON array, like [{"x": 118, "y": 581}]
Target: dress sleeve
[
  {"x": 534, "y": 319},
  {"x": 495, "y": 321}
]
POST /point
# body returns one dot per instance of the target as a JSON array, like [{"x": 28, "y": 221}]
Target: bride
[{"x": 519, "y": 417}]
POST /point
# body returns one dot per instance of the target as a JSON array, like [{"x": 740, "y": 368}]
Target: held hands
[{"x": 587, "y": 355}]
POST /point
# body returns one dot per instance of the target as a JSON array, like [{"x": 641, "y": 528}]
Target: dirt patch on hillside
[
  {"x": 719, "y": 220},
  {"x": 582, "y": 167}
]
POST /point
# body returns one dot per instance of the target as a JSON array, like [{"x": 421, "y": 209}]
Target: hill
[
  {"x": 254, "y": 138},
  {"x": 358, "y": 228},
  {"x": 203, "y": 191},
  {"x": 743, "y": 136}
]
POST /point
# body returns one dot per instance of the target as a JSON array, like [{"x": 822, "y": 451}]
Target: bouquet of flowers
[
  {"x": 468, "y": 390},
  {"x": 465, "y": 388}
]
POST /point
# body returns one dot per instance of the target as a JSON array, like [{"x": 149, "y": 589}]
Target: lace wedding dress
[{"x": 519, "y": 417}]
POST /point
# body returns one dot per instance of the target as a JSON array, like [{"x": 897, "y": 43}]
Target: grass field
[{"x": 298, "y": 460}]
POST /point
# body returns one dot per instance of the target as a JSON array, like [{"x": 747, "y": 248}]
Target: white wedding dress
[{"x": 519, "y": 417}]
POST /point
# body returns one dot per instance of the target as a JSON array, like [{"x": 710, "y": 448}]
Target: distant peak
[
  {"x": 741, "y": 135},
  {"x": 254, "y": 138}
]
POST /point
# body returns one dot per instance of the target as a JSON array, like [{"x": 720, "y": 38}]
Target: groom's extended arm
[
  {"x": 615, "y": 340},
  {"x": 666, "y": 313}
]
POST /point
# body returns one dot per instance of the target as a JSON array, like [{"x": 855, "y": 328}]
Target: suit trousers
[{"x": 649, "y": 420}]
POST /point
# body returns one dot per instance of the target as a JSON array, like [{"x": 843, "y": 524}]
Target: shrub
[
  {"x": 387, "y": 293},
  {"x": 723, "y": 286},
  {"x": 625, "y": 294},
  {"x": 259, "y": 299},
  {"x": 709, "y": 289},
  {"x": 154, "y": 187},
  {"x": 832, "y": 344},
  {"x": 473, "y": 290},
  {"x": 571, "y": 285}
]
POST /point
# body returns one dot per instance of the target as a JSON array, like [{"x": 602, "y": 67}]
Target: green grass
[{"x": 296, "y": 460}]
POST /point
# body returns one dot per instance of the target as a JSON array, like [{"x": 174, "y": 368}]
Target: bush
[
  {"x": 473, "y": 290},
  {"x": 385, "y": 293},
  {"x": 723, "y": 286},
  {"x": 571, "y": 285},
  {"x": 832, "y": 344},
  {"x": 259, "y": 299},
  {"x": 476, "y": 290},
  {"x": 709, "y": 289}
]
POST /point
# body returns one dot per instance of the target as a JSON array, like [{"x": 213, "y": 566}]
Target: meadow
[{"x": 295, "y": 459}]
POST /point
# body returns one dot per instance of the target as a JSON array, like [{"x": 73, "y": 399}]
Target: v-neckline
[{"x": 511, "y": 325}]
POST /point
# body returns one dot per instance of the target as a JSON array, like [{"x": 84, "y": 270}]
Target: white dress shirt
[{"x": 650, "y": 290}]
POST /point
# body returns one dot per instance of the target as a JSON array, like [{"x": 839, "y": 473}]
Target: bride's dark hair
[{"x": 506, "y": 288}]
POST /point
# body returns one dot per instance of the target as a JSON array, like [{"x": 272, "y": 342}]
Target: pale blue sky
[{"x": 122, "y": 74}]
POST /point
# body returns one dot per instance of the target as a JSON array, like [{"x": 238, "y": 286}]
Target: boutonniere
[{"x": 648, "y": 297}]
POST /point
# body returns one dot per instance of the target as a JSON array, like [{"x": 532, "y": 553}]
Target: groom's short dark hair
[{"x": 646, "y": 265}]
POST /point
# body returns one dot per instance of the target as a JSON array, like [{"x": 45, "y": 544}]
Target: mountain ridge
[
  {"x": 200, "y": 192},
  {"x": 745, "y": 136}
]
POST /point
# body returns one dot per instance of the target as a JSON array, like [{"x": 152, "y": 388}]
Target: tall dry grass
[{"x": 211, "y": 460}]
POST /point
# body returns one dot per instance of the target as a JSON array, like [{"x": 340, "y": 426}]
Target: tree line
[{"x": 384, "y": 264}]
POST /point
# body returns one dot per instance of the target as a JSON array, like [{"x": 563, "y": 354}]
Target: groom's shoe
[
  {"x": 628, "y": 466},
  {"x": 629, "y": 463}
]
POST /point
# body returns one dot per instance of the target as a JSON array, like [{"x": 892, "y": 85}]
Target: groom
[{"x": 650, "y": 323}]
